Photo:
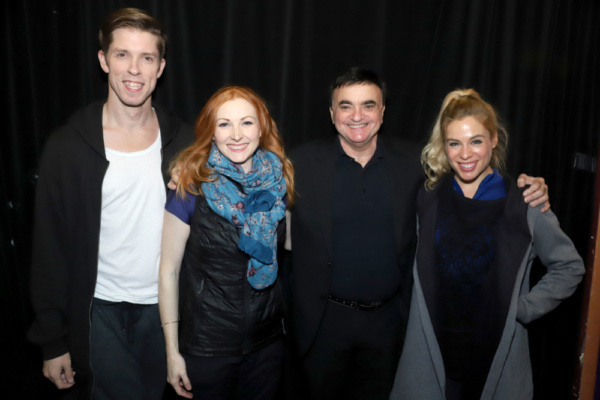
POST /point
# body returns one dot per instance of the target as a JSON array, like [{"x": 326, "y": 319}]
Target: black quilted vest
[{"x": 221, "y": 314}]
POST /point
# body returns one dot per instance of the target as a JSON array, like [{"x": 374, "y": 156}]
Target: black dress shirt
[{"x": 365, "y": 264}]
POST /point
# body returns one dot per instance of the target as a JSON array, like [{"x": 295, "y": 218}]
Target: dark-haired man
[
  {"x": 353, "y": 235},
  {"x": 98, "y": 222}
]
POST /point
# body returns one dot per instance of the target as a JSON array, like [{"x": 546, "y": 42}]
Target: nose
[
  {"x": 236, "y": 133},
  {"x": 357, "y": 114},
  {"x": 465, "y": 152},
  {"x": 133, "y": 68}
]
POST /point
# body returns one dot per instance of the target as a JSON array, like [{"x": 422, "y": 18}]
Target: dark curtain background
[{"x": 537, "y": 61}]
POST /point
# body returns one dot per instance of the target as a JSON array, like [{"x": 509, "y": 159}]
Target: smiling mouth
[
  {"x": 357, "y": 126},
  {"x": 467, "y": 166},
  {"x": 237, "y": 147},
  {"x": 133, "y": 85}
]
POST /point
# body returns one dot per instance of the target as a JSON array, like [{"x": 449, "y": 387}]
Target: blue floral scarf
[{"x": 255, "y": 211}]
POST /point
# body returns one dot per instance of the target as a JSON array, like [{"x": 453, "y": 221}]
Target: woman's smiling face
[
  {"x": 469, "y": 147},
  {"x": 237, "y": 132}
]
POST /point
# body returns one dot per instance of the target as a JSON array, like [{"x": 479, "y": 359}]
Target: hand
[
  {"x": 177, "y": 376},
  {"x": 59, "y": 371},
  {"x": 537, "y": 193},
  {"x": 174, "y": 177}
]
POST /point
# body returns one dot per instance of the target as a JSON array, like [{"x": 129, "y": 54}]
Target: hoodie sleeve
[{"x": 48, "y": 285}]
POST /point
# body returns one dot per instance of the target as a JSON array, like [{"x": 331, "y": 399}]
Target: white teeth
[
  {"x": 471, "y": 165},
  {"x": 237, "y": 146},
  {"x": 133, "y": 85},
  {"x": 357, "y": 126}
]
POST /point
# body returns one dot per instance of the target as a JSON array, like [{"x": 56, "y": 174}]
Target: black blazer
[{"x": 311, "y": 229}]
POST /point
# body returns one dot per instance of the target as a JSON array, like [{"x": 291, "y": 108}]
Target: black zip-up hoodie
[{"x": 67, "y": 229}]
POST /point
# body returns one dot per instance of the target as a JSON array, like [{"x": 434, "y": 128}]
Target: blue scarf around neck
[
  {"x": 490, "y": 188},
  {"x": 255, "y": 210}
]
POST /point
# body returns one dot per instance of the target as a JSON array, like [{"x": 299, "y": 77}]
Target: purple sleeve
[{"x": 181, "y": 208}]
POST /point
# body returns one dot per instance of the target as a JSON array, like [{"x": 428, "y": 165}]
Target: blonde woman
[{"x": 471, "y": 301}]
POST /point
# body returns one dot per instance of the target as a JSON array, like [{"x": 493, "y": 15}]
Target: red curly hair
[{"x": 192, "y": 162}]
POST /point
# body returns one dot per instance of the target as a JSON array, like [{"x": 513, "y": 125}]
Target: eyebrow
[
  {"x": 364, "y": 103},
  {"x": 473, "y": 137},
  {"x": 227, "y": 119},
  {"x": 119, "y": 50}
]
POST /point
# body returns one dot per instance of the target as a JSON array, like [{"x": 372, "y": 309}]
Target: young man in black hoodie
[{"x": 98, "y": 220}]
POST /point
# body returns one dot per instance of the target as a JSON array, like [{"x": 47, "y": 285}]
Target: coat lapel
[
  {"x": 396, "y": 171},
  {"x": 322, "y": 172}
]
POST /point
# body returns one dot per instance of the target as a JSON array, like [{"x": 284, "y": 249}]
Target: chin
[{"x": 238, "y": 161}]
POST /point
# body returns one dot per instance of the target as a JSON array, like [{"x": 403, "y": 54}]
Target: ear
[
  {"x": 331, "y": 114},
  {"x": 494, "y": 140},
  {"x": 382, "y": 111},
  {"x": 103, "y": 63},
  {"x": 161, "y": 68}
]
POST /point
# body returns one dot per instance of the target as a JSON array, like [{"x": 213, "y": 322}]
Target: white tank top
[{"x": 133, "y": 200}]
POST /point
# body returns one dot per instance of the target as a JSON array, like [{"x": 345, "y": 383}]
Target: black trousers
[
  {"x": 355, "y": 353},
  {"x": 127, "y": 351},
  {"x": 254, "y": 376}
]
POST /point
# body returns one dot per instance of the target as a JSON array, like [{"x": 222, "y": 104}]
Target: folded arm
[{"x": 565, "y": 268}]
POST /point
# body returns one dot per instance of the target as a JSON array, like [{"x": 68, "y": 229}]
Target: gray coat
[{"x": 420, "y": 373}]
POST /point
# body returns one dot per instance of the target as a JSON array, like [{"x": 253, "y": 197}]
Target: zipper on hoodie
[{"x": 92, "y": 299}]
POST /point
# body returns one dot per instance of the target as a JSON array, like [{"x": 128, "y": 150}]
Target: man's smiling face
[
  {"x": 357, "y": 113},
  {"x": 133, "y": 65}
]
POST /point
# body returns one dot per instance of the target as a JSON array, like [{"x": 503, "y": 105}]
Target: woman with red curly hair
[{"x": 219, "y": 296}]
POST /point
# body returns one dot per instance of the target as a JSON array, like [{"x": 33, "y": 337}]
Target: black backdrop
[{"x": 537, "y": 61}]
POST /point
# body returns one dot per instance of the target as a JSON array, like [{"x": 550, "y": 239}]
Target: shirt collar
[
  {"x": 379, "y": 150},
  {"x": 490, "y": 188}
]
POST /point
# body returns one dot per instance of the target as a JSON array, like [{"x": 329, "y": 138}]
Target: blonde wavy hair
[
  {"x": 192, "y": 162},
  {"x": 459, "y": 104}
]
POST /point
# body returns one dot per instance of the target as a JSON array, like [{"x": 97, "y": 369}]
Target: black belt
[{"x": 359, "y": 305}]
